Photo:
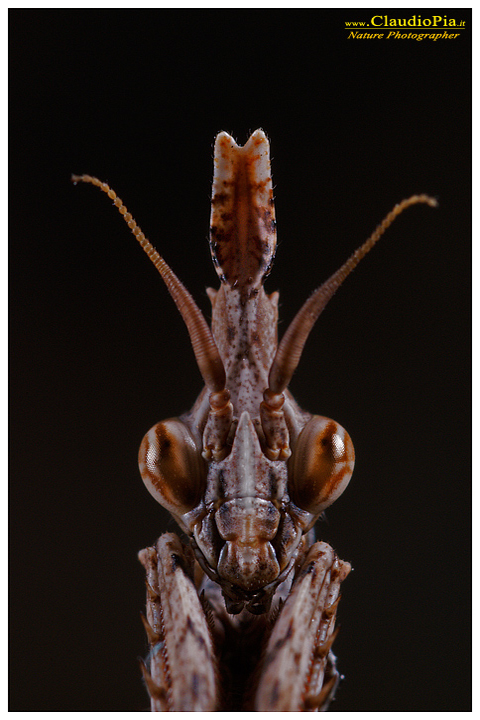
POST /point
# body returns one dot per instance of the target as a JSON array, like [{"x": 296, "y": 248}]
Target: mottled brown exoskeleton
[{"x": 242, "y": 616}]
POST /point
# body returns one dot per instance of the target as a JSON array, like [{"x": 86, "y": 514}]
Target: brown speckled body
[
  {"x": 243, "y": 617},
  {"x": 248, "y": 535}
]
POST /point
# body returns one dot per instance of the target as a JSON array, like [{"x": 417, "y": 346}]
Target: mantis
[{"x": 241, "y": 614}]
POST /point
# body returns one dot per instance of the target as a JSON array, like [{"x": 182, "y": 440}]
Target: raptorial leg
[
  {"x": 298, "y": 672},
  {"x": 182, "y": 668}
]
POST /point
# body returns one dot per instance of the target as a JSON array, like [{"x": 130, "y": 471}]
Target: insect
[{"x": 242, "y": 615}]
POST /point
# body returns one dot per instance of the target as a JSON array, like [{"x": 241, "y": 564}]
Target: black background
[{"x": 99, "y": 352}]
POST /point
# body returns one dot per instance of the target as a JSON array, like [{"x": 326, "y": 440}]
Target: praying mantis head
[{"x": 246, "y": 473}]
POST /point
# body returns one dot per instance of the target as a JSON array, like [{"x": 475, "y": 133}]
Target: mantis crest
[{"x": 242, "y": 617}]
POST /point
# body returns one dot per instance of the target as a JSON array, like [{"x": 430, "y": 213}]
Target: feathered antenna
[
  {"x": 206, "y": 352},
  {"x": 291, "y": 346}
]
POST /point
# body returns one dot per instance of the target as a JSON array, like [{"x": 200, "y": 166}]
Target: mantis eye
[
  {"x": 171, "y": 466},
  {"x": 321, "y": 465}
]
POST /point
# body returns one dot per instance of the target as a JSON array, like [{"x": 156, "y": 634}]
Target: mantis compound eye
[
  {"x": 321, "y": 465},
  {"x": 171, "y": 466}
]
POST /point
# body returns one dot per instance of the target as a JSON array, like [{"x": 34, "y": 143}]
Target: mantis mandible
[{"x": 242, "y": 615}]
